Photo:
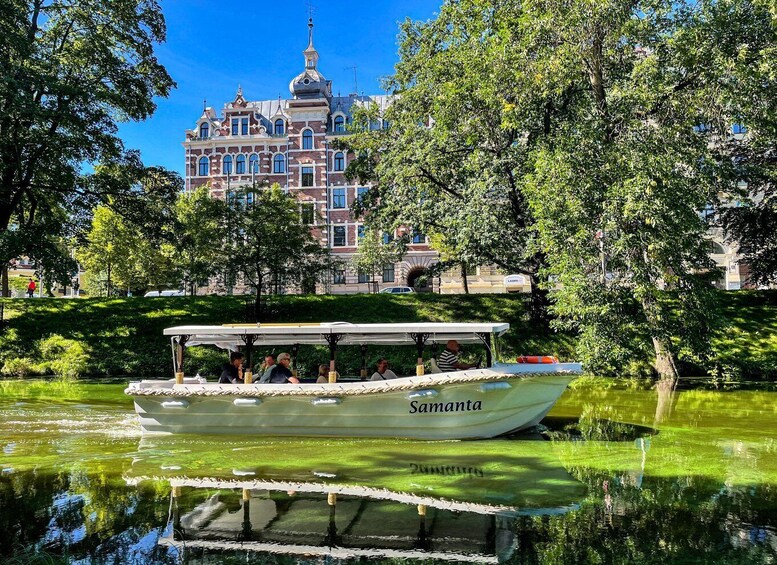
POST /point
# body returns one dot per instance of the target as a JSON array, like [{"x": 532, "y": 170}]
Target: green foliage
[
  {"x": 373, "y": 254},
  {"x": 66, "y": 358},
  {"x": 18, "y": 367},
  {"x": 70, "y": 72},
  {"x": 272, "y": 247},
  {"x": 124, "y": 336}
]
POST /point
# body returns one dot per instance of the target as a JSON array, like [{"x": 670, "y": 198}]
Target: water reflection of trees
[{"x": 684, "y": 519}]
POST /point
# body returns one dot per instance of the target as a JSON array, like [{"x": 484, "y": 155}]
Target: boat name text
[{"x": 461, "y": 406}]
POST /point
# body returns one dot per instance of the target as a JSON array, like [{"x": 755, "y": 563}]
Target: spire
[
  {"x": 239, "y": 90},
  {"x": 311, "y": 55}
]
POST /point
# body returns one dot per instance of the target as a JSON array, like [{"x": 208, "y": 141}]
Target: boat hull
[{"x": 431, "y": 407}]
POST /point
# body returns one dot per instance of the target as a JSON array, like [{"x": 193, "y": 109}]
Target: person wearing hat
[{"x": 281, "y": 373}]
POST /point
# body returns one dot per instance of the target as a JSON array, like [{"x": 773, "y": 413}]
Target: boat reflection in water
[{"x": 445, "y": 501}]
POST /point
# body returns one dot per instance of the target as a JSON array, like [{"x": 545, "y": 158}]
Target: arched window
[
  {"x": 204, "y": 166},
  {"x": 278, "y": 164},
  {"x": 253, "y": 164},
  {"x": 280, "y": 126},
  {"x": 339, "y": 124},
  {"x": 307, "y": 139},
  {"x": 227, "y": 168},
  {"x": 339, "y": 162},
  {"x": 240, "y": 165},
  {"x": 204, "y": 130}
]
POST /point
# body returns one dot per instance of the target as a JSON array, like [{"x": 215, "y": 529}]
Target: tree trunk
[
  {"x": 4, "y": 292},
  {"x": 665, "y": 389},
  {"x": 539, "y": 303},
  {"x": 464, "y": 280},
  {"x": 665, "y": 365},
  {"x": 108, "y": 287}
]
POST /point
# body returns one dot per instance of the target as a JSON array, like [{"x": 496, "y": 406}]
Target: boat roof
[{"x": 229, "y": 335}]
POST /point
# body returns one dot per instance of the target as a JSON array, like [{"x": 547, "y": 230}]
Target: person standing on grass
[{"x": 31, "y": 288}]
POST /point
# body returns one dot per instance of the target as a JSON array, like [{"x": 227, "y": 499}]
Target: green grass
[{"x": 123, "y": 336}]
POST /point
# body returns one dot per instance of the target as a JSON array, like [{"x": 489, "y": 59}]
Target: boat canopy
[{"x": 229, "y": 336}]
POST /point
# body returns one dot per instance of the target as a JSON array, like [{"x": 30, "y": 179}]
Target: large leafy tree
[
  {"x": 373, "y": 254},
  {"x": 567, "y": 135},
  {"x": 69, "y": 71},
  {"x": 274, "y": 248}
]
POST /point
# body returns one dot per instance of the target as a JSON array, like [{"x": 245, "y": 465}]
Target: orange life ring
[{"x": 542, "y": 359}]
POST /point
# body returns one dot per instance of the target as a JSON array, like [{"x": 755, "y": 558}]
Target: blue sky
[{"x": 212, "y": 46}]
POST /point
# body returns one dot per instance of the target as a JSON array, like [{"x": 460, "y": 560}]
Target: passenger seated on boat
[
  {"x": 383, "y": 371},
  {"x": 323, "y": 374},
  {"x": 266, "y": 368},
  {"x": 233, "y": 371},
  {"x": 449, "y": 359},
  {"x": 281, "y": 373}
]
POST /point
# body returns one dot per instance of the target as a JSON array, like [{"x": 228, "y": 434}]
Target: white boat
[{"x": 477, "y": 403}]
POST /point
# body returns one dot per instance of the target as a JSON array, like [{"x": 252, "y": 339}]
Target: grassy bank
[{"x": 115, "y": 337}]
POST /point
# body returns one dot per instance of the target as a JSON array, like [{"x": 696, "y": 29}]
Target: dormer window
[
  {"x": 339, "y": 124},
  {"x": 204, "y": 130},
  {"x": 280, "y": 126}
]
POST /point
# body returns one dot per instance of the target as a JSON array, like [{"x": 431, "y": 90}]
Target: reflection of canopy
[{"x": 348, "y": 334}]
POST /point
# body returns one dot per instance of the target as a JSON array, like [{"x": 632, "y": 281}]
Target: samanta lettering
[{"x": 460, "y": 406}]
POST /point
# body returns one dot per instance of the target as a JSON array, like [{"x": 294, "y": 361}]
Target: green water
[{"x": 618, "y": 477}]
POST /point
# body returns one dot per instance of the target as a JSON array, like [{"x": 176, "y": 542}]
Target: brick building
[{"x": 289, "y": 142}]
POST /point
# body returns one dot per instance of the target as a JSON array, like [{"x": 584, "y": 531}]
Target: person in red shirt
[{"x": 31, "y": 288}]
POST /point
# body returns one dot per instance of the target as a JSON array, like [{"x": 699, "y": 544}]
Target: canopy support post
[
  {"x": 420, "y": 341},
  {"x": 179, "y": 343},
  {"x": 363, "y": 348},
  {"x": 248, "y": 375},
  {"x": 332, "y": 340},
  {"x": 487, "y": 342},
  {"x": 294, "y": 353}
]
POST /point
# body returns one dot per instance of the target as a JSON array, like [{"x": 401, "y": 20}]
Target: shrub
[
  {"x": 66, "y": 358},
  {"x": 18, "y": 367}
]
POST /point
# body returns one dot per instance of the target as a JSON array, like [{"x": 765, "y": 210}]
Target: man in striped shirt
[{"x": 449, "y": 359}]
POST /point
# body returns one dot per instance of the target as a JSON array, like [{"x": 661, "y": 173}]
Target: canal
[{"x": 613, "y": 476}]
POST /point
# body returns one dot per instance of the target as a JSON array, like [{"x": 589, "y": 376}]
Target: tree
[
  {"x": 564, "y": 139},
  {"x": 373, "y": 254},
  {"x": 199, "y": 237},
  {"x": 70, "y": 71},
  {"x": 108, "y": 253},
  {"x": 276, "y": 250}
]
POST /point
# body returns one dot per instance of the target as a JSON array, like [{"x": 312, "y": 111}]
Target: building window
[
  {"x": 364, "y": 276},
  {"x": 250, "y": 198},
  {"x": 387, "y": 238},
  {"x": 339, "y": 162},
  {"x": 204, "y": 130},
  {"x": 240, "y": 165},
  {"x": 253, "y": 163},
  {"x": 243, "y": 126},
  {"x": 418, "y": 237},
  {"x": 307, "y": 139},
  {"x": 386, "y": 124},
  {"x": 388, "y": 273},
  {"x": 227, "y": 165},
  {"x": 338, "y": 236},
  {"x": 204, "y": 166},
  {"x": 361, "y": 192},
  {"x": 280, "y": 127},
  {"x": 338, "y": 276},
  {"x": 235, "y": 123},
  {"x": 307, "y": 176},
  {"x": 307, "y": 213},
  {"x": 359, "y": 234},
  {"x": 278, "y": 164},
  {"x": 339, "y": 124},
  {"x": 338, "y": 198},
  {"x": 738, "y": 129}
]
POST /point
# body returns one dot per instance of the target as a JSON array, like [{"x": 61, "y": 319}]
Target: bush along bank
[{"x": 123, "y": 336}]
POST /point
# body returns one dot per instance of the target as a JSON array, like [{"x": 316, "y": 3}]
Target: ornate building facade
[{"x": 289, "y": 142}]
